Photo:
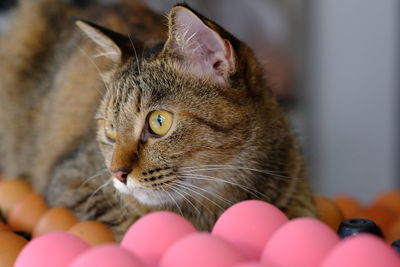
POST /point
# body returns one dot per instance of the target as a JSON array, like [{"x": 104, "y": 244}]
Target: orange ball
[
  {"x": 389, "y": 199},
  {"x": 27, "y": 212},
  {"x": 94, "y": 233},
  {"x": 4, "y": 227},
  {"x": 381, "y": 215},
  {"x": 10, "y": 246},
  {"x": 328, "y": 212},
  {"x": 55, "y": 220},
  {"x": 394, "y": 232},
  {"x": 348, "y": 205},
  {"x": 12, "y": 191}
]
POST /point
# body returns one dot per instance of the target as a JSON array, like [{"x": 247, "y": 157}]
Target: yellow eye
[
  {"x": 111, "y": 134},
  {"x": 160, "y": 121}
]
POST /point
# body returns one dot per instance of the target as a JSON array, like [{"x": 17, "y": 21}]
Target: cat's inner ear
[
  {"x": 202, "y": 49},
  {"x": 111, "y": 43}
]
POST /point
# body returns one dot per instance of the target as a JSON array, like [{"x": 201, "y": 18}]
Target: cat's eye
[
  {"x": 160, "y": 121},
  {"x": 111, "y": 134}
]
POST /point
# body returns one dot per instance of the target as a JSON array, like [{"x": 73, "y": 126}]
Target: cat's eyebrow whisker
[
  {"x": 97, "y": 68},
  {"x": 249, "y": 190},
  {"x": 181, "y": 193},
  {"x": 105, "y": 54},
  {"x": 99, "y": 118},
  {"x": 136, "y": 56},
  {"x": 186, "y": 186}
]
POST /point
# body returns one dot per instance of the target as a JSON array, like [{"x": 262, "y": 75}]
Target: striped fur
[{"x": 227, "y": 144}]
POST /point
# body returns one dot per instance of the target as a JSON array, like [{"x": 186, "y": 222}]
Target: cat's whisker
[
  {"x": 96, "y": 191},
  {"x": 87, "y": 180},
  {"x": 238, "y": 168},
  {"x": 181, "y": 193},
  {"x": 211, "y": 193},
  {"x": 123, "y": 206},
  {"x": 173, "y": 199},
  {"x": 249, "y": 190},
  {"x": 104, "y": 54},
  {"x": 184, "y": 188},
  {"x": 97, "y": 68},
  {"x": 199, "y": 193},
  {"x": 191, "y": 169},
  {"x": 134, "y": 50}
]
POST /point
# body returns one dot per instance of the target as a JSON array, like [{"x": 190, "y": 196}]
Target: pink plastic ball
[
  {"x": 106, "y": 256},
  {"x": 300, "y": 242},
  {"x": 362, "y": 250},
  {"x": 253, "y": 264},
  {"x": 49, "y": 250},
  {"x": 154, "y": 233},
  {"x": 248, "y": 225},
  {"x": 200, "y": 250}
]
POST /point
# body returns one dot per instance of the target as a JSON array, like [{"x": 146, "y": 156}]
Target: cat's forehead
[{"x": 138, "y": 89}]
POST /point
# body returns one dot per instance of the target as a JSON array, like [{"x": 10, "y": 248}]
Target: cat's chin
[{"x": 145, "y": 196}]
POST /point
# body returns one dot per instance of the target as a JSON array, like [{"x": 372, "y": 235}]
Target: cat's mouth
[{"x": 154, "y": 187}]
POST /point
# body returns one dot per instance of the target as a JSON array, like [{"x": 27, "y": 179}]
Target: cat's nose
[{"x": 121, "y": 174}]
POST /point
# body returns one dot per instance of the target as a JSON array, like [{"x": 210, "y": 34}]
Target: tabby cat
[{"x": 183, "y": 116}]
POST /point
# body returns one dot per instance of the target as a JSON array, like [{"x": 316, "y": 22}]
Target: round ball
[
  {"x": 248, "y": 225},
  {"x": 381, "y": 215},
  {"x": 356, "y": 226},
  {"x": 12, "y": 191},
  {"x": 253, "y": 264},
  {"x": 349, "y": 206},
  {"x": 153, "y": 234},
  {"x": 27, "y": 212},
  {"x": 10, "y": 246},
  {"x": 106, "y": 256},
  {"x": 396, "y": 246},
  {"x": 199, "y": 250},
  {"x": 4, "y": 227},
  {"x": 394, "y": 232},
  {"x": 390, "y": 200},
  {"x": 328, "y": 212},
  {"x": 362, "y": 250},
  {"x": 52, "y": 249},
  {"x": 94, "y": 233},
  {"x": 300, "y": 242},
  {"x": 57, "y": 219}
]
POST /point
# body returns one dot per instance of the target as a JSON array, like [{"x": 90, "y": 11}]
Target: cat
[{"x": 145, "y": 113}]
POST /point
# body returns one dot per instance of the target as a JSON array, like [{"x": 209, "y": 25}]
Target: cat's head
[{"x": 182, "y": 114}]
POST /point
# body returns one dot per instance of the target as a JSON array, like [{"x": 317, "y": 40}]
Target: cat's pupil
[{"x": 160, "y": 120}]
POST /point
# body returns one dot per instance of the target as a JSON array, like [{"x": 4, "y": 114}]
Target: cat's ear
[
  {"x": 116, "y": 46},
  {"x": 199, "y": 46}
]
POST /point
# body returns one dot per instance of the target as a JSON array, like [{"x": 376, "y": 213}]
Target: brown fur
[{"x": 50, "y": 91}]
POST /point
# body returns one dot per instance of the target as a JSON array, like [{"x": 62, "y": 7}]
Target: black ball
[
  {"x": 358, "y": 225},
  {"x": 6, "y": 4},
  {"x": 396, "y": 246}
]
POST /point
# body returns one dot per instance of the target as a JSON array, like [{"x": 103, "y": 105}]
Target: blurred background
[{"x": 334, "y": 66}]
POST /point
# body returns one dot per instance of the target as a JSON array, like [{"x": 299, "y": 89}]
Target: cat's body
[{"x": 228, "y": 140}]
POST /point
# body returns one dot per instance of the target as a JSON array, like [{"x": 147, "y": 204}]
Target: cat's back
[{"x": 51, "y": 82}]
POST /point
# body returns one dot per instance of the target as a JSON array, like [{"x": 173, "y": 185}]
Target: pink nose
[{"x": 121, "y": 175}]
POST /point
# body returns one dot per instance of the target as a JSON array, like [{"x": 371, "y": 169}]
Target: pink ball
[
  {"x": 200, "y": 250},
  {"x": 300, "y": 242},
  {"x": 248, "y": 225},
  {"x": 362, "y": 250},
  {"x": 49, "y": 250},
  {"x": 154, "y": 233},
  {"x": 106, "y": 256},
  {"x": 253, "y": 264}
]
